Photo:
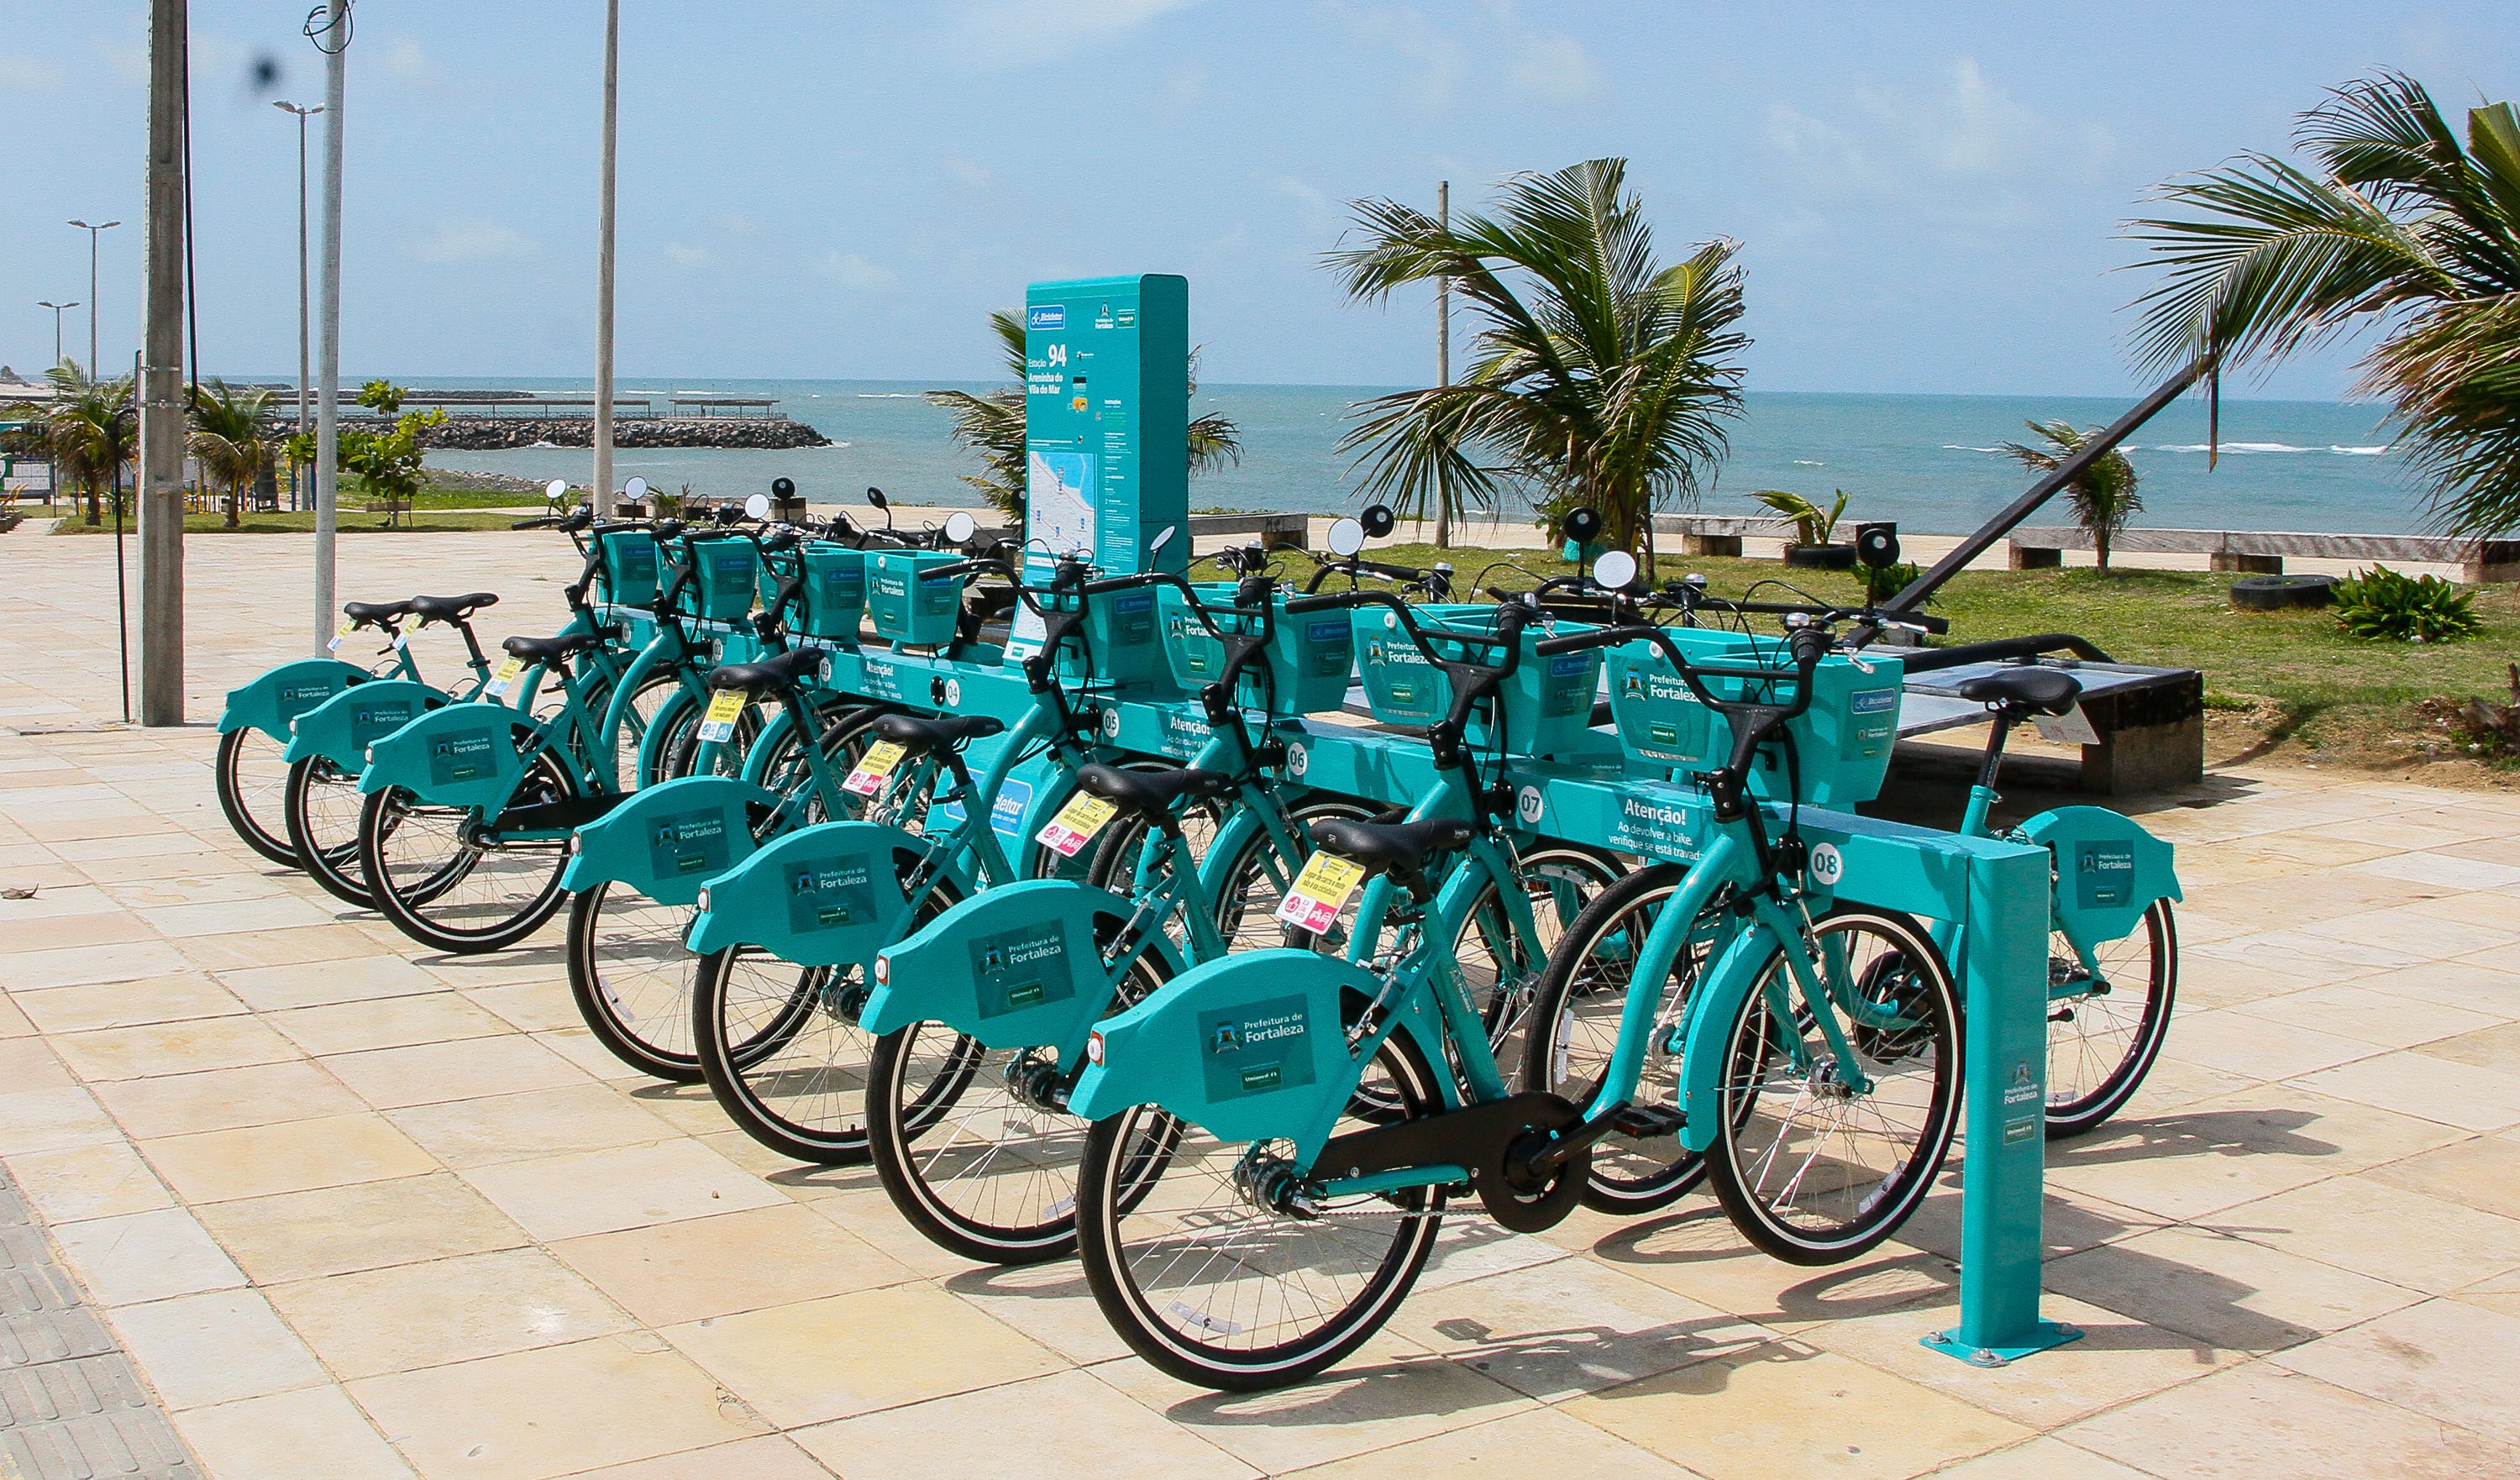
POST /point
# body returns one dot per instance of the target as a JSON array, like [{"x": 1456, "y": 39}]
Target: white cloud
[
  {"x": 471, "y": 241},
  {"x": 967, "y": 173},
  {"x": 1320, "y": 215},
  {"x": 404, "y": 58},
  {"x": 856, "y": 274},
  {"x": 1438, "y": 60},
  {"x": 737, "y": 224},
  {"x": 1963, "y": 132},
  {"x": 1556, "y": 69},
  {"x": 27, "y": 75},
  {"x": 999, "y": 33},
  {"x": 681, "y": 256}
]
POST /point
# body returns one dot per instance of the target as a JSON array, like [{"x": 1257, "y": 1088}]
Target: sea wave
[
  {"x": 888, "y": 395},
  {"x": 1964, "y": 447},
  {"x": 2271, "y": 447},
  {"x": 1809, "y": 463}
]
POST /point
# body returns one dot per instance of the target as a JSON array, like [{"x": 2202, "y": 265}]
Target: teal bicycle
[{"x": 1277, "y": 1134}]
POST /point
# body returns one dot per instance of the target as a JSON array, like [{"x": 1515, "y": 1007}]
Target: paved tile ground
[{"x": 356, "y": 1210}]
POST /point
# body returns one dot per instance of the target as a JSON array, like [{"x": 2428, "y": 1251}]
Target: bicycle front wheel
[
  {"x": 252, "y": 784},
  {"x": 1201, "y": 1270},
  {"x": 1817, "y": 1160},
  {"x": 2104, "y": 1035}
]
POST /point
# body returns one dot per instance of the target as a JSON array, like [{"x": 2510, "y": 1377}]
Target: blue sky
[{"x": 1928, "y": 193}]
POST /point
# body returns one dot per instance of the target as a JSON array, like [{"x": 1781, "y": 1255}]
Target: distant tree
[
  {"x": 991, "y": 423},
  {"x": 2103, "y": 497},
  {"x": 2400, "y": 229},
  {"x": 95, "y": 430},
  {"x": 1602, "y": 376},
  {"x": 228, "y": 440}
]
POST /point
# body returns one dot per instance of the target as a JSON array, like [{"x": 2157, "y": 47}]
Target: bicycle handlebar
[{"x": 1808, "y": 645}]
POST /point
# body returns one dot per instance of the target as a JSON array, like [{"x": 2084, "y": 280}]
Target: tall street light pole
[
  {"x": 330, "y": 29},
  {"x": 161, "y": 376},
  {"x": 302, "y": 114},
  {"x": 57, "y": 324},
  {"x": 601, "y": 493},
  {"x": 93, "y": 232}
]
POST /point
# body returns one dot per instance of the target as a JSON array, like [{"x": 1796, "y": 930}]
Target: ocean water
[{"x": 1928, "y": 462}]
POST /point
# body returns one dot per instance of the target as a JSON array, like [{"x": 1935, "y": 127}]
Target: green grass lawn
[
  {"x": 350, "y": 521},
  {"x": 2288, "y": 681}
]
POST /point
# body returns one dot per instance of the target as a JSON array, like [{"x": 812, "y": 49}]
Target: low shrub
[{"x": 2383, "y": 604}]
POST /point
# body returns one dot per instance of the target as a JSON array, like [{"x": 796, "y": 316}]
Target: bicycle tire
[
  {"x": 2078, "y": 1114},
  {"x": 327, "y": 851},
  {"x": 405, "y": 900},
  {"x": 241, "y": 754}
]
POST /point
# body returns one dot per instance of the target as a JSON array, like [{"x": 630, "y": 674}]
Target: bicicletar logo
[{"x": 1258, "y": 1047}]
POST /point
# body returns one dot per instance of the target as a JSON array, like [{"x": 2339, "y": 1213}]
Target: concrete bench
[
  {"x": 2150, "y": 721},
  {"x": 2263, "y": 552},
  {"x": 1720, "y": 534}
]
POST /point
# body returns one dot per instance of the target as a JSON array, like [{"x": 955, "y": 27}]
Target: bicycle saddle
[
  {"x": 549, "y": 650},
  {"x": 1396, "y": 847},
  {"x": 792, "y": 666},
  {"x": 2033, "y": 691},
  {"x": 375, "y": 611},
  {"x": 1148, "y": 792},
  {"x": 451, "y": 608},
  {"x": 911, "y": 731}
]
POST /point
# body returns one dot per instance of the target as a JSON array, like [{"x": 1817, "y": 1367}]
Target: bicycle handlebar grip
[
  {"x": 1809, "y": 645},
  {"x": 1298, "y": 605}
]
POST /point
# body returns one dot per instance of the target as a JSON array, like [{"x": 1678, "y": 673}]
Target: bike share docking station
[{"x": 1107, "y": 410}]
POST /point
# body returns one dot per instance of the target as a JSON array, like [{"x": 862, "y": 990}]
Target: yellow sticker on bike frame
[
  {"x": 1319, "y": 892},
  {"x": 872, "y": 768},
  {"x": 503, "y": 677},
  {"x": 1076, "y": 824},
  {"x": 341, "y": 634},
  {"x": 718, "y": 725}
]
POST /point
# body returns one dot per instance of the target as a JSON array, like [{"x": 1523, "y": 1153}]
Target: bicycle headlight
[{"x": 1094, "y": 1048}]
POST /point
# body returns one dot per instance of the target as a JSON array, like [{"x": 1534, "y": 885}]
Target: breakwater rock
[{"x": 498, "y": 433}]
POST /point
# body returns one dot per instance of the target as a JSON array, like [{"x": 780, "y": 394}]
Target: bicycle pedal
[{"x": 1645, "y": 1122}]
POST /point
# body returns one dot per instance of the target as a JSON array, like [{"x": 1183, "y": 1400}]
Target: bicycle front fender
[
  {"x": 1712, "y": 1009},
  {"x": 340, "y": 729},
  {"x": 1250, "y": 1048},
  {"x": 284, "y": 692},
  {"x": 2109, "y": 870},
  {"x": 828, "y": 895},
  {"x": 665, "y": 841},
  {"x": 1016, "y": 967},
  {"x": 461, "y": 755}
]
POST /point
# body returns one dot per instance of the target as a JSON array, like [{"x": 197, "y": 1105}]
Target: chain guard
[{"x": 1493, "y": 1139}]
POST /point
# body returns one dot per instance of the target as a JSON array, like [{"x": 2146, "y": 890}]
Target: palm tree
[
  {"x": 95, "y": 430},
  {"x": 2401, "y": 229},
  {"x": 1601, "y": 378},
  {"x": 2103, "y": 497},
  {"x": 992, "y": 424},
  {"x": 227, "y": 437}
]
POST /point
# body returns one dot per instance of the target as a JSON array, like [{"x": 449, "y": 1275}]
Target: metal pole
[
  {"x": 57, "y": 324},
  {"x": 162, "y": 373},
  {"x": 602, "y": 484},
  {"x": 333, "y": 40},
  {"x": 302, "y": 293},
  {"x": 1443, "y": 363},
  {"x": 93, "y": 232}
]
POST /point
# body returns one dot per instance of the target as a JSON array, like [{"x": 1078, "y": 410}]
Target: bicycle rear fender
[
  {"x": 2109, "y": 870},
  {"x": 271, "y": 701},
  {"x": 462, "y": 755},
  {"x": 665, "y": 841},
  {"x": 1015, "y": 966},
  {"x": 1250, "y": 1048},
  {"x": 342, "y": 728},
  {"x": 828, "y": 895}
]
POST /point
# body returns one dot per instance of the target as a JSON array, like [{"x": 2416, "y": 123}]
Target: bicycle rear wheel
[
  {"x": 971, "y": 1147},
  {"x": 323, "y": 808},
  {"x": 440, "y": 885},
  {"x": 1813, "y": 1164},
  {"x": 2102, "y": 1039},
  {"x": 252, "y": 784},
  {"x": 1211, "y": 1283},
  {"x": 782, "y": 1050}
]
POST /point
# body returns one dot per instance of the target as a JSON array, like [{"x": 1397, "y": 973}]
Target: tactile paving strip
[{"x": 70, "y": 1406}]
